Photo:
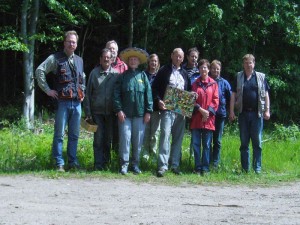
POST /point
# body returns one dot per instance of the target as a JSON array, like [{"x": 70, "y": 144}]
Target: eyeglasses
[{"x": 71, "y": 42}]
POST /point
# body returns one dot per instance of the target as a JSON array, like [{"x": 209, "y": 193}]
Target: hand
[
  {"x": 204, "y": 113},
  {"x": 53, "y": 94},
  {"x": 121, "y": 116},
  {"x": 267, "y": 115},
  {"x": 81, "y": 100},
  {"x": 232, "y": 116},
  {"x": 161, "y": 105},
  {"x": 147, "y": 117},
  {"x": 195, "y": 93}
]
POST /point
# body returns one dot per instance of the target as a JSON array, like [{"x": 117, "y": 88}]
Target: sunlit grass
[{"x": 30, "y": 152}]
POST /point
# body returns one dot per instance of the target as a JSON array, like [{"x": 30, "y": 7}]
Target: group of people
[{"x": 127, "y": 104}]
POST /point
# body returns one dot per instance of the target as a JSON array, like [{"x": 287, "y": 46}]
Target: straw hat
[{"x": 137, "y": 52}]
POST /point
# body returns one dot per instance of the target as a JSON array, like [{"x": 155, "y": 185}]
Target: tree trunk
[
  {"x": 130, "y": 39},
  {"x": 147, "y": 25},
  {"x": 29, "y": 18}
]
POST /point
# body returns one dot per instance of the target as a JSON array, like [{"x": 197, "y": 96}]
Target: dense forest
[{"x": 30, "y": 30}]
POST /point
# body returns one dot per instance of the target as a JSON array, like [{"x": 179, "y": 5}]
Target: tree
[
  {"x": 30, "y": 10},
  {"x": 224, "y": 30},
  {"x": 227, "y": 30}
]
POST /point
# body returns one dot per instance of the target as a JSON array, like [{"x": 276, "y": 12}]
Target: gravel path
[{"x": 36, "y": 200}]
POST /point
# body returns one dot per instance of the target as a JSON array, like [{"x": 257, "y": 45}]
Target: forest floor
[{"x": 29, "y": 199}]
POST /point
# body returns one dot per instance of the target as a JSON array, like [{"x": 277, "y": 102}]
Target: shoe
[
  {"x": 161, "y": 172},
  {"x": 257, "y": 171},
  {"x": 146, "y": 157},
  {"x": 245, "y": 170},
  {"x": 74, "y": 168},
  {"x": 215, "y": 167},
  {"x": 204, "y": 173},
  {"x": 60, "y": 169},
  {"x": 176, "y": 171},
  {"x": 136, "y": 170},
  {"x": 124, "y": 170},
  {"x": 198, "y": 172},
  {"x": 98, "y": 168}
]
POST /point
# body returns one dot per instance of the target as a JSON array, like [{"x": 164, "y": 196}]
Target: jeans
[
  {"x": 131, "y": 132},
  {"x": 203, "y": 136},
  {"x": 171, "y": 124},
  {"x": 68, "y": 114},
  {"x": 250, "y": 128},
  {"x": 152, "y": 134},
  {"x": 216, "y": 141},
  {"x": 102, "y": 140}
]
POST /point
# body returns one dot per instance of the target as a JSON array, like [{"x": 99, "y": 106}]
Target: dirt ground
[{"x": 36, "y": 200}]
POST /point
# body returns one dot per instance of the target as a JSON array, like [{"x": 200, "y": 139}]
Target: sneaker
[
  {"x": 161, "y": 172},
  {"x": 136, "y": 170},
  {"x": 124, "y": 170},
  {"x": 176, "y": 171},
  {"x": 257, "y": 171},
  {"x": 60, "y": 169},
  {"x": 146, "y": 157}
]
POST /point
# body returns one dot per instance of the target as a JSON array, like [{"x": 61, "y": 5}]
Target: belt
[{"x": 249, "y": 110}]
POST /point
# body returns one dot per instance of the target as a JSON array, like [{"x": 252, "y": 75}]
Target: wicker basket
[{"x": 89, "y": 125}]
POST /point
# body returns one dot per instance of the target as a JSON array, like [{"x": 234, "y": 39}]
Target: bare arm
[
  {"x": 232, "y": 101},
  {"x": 267, "y": 107}
]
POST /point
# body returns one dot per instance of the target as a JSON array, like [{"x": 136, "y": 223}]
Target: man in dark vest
[{"x": 68, "y": 89}]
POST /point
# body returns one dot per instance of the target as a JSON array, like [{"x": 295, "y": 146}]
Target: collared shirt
[
  {"x": 99, "y": 92},
  {"x": 176, "y": 79}
]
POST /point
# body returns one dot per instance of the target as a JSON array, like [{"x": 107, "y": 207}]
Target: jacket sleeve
[
  {"x": 157, "y": 86},
  {"x": 188, "y": 82},
  {"x": 49, "y": 65},
  {"x": 117, "y": 96},
  {"x": 148, "y": 95},
  {"x": 213, "y": 106}
]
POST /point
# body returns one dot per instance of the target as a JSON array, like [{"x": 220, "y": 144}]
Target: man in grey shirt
[{"x": 69, "y": 83}]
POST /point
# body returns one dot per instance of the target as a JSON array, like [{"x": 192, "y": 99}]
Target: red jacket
[
  {"x": 208, "y": 98},
  {"x": 119, "y": 65}
]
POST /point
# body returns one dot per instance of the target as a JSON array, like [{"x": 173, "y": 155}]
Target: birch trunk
[{"x": 30, "y": 9}]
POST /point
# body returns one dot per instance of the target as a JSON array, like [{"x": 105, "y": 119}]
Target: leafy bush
[
  {"x": 282, "y": 133},
  {"x": 10, "y": 113}
]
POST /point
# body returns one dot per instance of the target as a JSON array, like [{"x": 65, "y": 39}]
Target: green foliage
[
  {"x": 227, "y": 30},
  {"x": 59, "y": 7},
  {"x": 10, "y": 40},
  {"x": 284, "y": 92},
  {"x": 22, "y": 150},
  {"x": 224, "y": 30},
  {"x": 284, "y": 133},
  {"x": 10, "y": 113}
]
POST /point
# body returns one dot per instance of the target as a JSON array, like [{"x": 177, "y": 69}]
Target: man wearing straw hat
[{"x": 133, "y": 105}]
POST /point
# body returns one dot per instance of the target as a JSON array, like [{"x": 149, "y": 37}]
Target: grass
[{"x": 29, "y": 152}]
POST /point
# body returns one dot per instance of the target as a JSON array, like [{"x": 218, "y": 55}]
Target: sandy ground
[{"x": 36, "y": 200}]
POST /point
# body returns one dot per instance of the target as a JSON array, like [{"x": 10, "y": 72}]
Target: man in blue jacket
[{"x": 224, "y": 101}]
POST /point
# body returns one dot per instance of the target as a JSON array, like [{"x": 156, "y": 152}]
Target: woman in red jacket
[{"x": 203, "y": 119}]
